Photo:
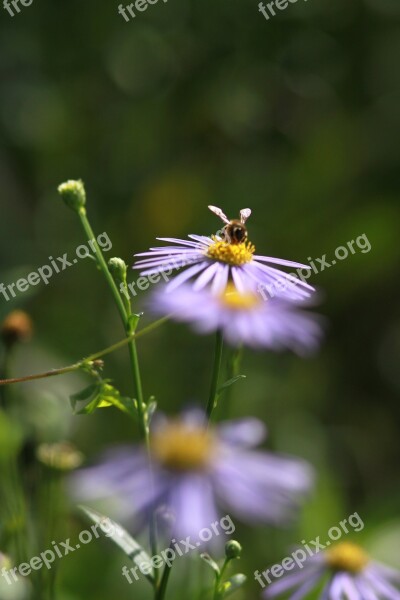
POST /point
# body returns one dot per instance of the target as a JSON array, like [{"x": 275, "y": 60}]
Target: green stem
[
  {"x": 234, "y": 365},
  {"x": 162, "y": 588},
  {"x": 212, "y": 400},
  {"x": 124, "y": 309},
  {"x": 139, "y": 390},
  {"x": 4, "y": 373},
  {"x": 124, "y": 314},
  {"x": 219, "y": 579},
  {"x": 102, "y": 264}
]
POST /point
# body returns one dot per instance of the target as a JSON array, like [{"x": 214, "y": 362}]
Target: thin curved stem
[
  {"x": 52, "y": 373},
  {"x": 88, "y": 359}
]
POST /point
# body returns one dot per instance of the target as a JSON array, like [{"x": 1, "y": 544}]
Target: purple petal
[
  {"x": 192, "y": 500},
  {"x": 178, "y": 241},
  {"x": 206, "y": 277},
  {"x": 187, "y": 274},
  {"x": 281, "y": 261},
  {"x": 367, "y": 593},
  {"x": 305, "y": 588},
  {"x": 276, "y": 588},
  {"x": 204, "y": 240},
  {"x": 238, "y": 280},
  {"x": 382, "y": 586},
  {"x": 244, "y": 432},
  {"x": 220, "y": 279}
]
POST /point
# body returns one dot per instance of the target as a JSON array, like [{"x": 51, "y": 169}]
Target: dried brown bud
[{"x": 16, "y": 327}]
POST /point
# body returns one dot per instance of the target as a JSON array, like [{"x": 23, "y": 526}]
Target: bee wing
[
  {"x": 244, "y": 214},
  {"x": 217, "y": 211}
]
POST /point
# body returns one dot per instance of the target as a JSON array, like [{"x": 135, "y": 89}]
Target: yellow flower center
[
  {"x": 179, "y": 447},
  {"x": 232, "y": 254},
  {"x": 347, "y": 557},
  {"x": 234, "y": 300}
]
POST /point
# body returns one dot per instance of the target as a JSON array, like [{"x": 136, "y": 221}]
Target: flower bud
[
  {"x": 233, "y": 550},
  {"x": 118, "y": 269},
  {"x": 16, "y": 327},
  {"x": 73, "y": 193}
]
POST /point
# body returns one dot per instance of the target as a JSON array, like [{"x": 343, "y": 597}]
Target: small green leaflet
[
  {"x": 211, "y": 563},
  {"x": 102, "y": 395},
  {"x": 123, "y": 540},
  {"x": 230, "y": 382}
]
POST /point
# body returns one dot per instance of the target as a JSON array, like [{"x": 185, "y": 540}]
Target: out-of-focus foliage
[{"x": 195, "y": 103}]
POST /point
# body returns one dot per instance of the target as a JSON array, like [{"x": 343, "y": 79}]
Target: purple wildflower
[
  {"x": 221, "y": 258},
  {"x": 195, "y": 471},
  {"x": 244, "y": 318},
  {"x": 352, "y": 576}
]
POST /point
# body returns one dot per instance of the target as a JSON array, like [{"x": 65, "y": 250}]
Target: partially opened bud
[{"x": 118, "y": 269}]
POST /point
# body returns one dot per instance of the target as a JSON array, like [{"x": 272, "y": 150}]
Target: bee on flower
[{"x": 219, "y": 259}]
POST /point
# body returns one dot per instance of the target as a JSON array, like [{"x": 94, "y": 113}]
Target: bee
[{"x": 235, "y": 231}]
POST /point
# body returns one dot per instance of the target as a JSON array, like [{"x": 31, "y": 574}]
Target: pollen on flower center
[
  {"x": 347, "y": 557},
  {"x": 232, "y": 254},
  {"x": 179, "y": 447}
]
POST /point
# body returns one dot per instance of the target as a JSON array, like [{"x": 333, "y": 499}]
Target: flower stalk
[
  {"x": 130, "y": 323},
  {"x": 213, "y": 396}
]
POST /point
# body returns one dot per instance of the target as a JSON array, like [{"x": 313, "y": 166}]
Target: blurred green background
[{"x": 197, "y": 103}]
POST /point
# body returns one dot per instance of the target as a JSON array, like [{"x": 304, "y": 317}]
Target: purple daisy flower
[
  {"x": 352, "y": 576},
  {"x": 243, "y": 318},
  {"x": 221, "y": 258},
  {"x": 196, "y": 470}
]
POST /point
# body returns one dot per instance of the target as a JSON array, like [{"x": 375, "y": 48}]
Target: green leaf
[
  {"x": 211, "y": 563},
  {"x": 102, "y": 395},
  {"x": 230, "y": 586},
  {"x": 124, "y": 404},
  {"x": 85, "y": 394},
  {"x": 91, "y": 407},
  {"x": 133, "y": 321},
  {"x": 122, "y": 539},
  {"x": 230, "y": 382}
]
